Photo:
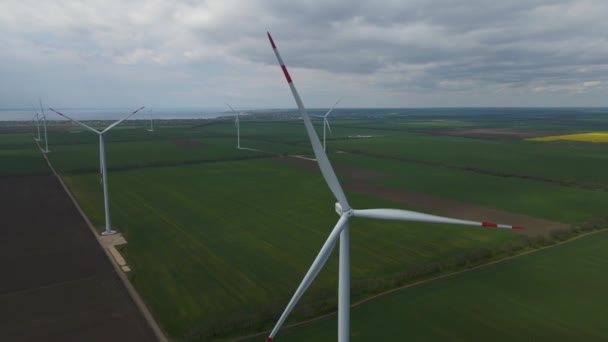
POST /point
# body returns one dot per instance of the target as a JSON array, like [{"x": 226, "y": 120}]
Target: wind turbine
[
  {"x": 326, "y": 122},
  {"x": 46, "y": 137},
  {"x": 37, "y": 118},
  {"x": 102, "y": 162},
  {"x": 238, "y": 127},
  {"x": 341, "y": 229},
  {"x": 151, "y": 129}
]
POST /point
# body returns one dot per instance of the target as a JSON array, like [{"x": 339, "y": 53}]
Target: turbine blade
[
  {"x": 121, "y": 120},
  {"x": 312, "y": 273},
  {"x": 327, "y": 123},
  {"x": 76, "y": 121},
  {"x": 332, "y": 107},
  {"x": 407, "y": 215},
  {"x": 236, "y": 119},
  {"x": 35, "y": 110},
  {"x": 322, "y": 160},
  {"x": 232, "y": 109},
  {"x": 41, "y": 109}
]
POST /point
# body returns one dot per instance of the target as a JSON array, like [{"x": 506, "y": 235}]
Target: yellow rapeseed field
[{"x": 594, "y": 137}]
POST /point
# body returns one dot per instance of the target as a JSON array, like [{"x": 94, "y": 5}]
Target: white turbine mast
[
  {"x": 237, "y": 124},
  {"x": 46, "y": 137},
  {"x": 37, "y": 118},
  {"x": 341, "y": 228},
  {"x": 326, "y": 122},
  {"x": 151, "y": 129},
  {"x": 102, "y": 164}
]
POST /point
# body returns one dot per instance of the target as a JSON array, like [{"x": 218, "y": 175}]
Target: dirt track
[{"x": 57, "y": 284}]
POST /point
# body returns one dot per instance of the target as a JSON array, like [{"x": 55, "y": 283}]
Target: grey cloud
[{"x": 387, "y": 46}]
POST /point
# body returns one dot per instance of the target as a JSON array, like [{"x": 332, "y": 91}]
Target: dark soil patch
[
  {"x": 57, "y": 283},
  {"x": 454, "y": 208},
  {"x": 187, "y": 143}
]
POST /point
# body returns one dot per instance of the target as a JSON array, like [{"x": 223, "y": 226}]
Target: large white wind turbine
[
  {"x": 341, "y": 229},
  {"x": 326, "y": 122},
  {"x": 102, "y": 162},
  {"x": 46, "y": 137},
  {"x": 237, "y": 123}
]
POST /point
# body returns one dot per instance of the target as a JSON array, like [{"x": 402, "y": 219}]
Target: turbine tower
[
  {"x": 37, "y": 118},
  {"x": 326, "y": 122},
  {"x": 341, "y": 229},
  {"x": 151, "y": 129},
  {"x": 237, "y": 125},
  {"x": 46, "y": 137},
  {"x": 102, "y": 162}
]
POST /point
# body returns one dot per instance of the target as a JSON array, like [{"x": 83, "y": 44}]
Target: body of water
[{"x": 208, "y": 113}]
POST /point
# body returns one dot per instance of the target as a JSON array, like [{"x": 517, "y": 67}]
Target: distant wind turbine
[
  {"x": 151, "y": 129},
  {"x": 102, "y": 162},
  {"x": 46, "y": 137},
  {"x": 37, "y": 119},
  {"x": 237, "y": 125},
  {"x": 341, "y": 229},
  {"x": 326, "y": 122}
]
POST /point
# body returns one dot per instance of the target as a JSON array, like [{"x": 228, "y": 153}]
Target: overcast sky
[{"x": 383, "y": 53}]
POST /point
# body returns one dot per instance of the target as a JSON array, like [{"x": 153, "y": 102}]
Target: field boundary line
[
  {"x": 421, "y": 282},
  {"x": 139, "y": 303},
  {"x": 568, "y": 183}
]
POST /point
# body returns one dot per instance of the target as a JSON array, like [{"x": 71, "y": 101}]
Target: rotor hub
[{"x": 341, "y": 212}]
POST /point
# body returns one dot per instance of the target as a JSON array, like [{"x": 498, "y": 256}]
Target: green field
[
  {"x": 574, "y": 161},
  {"x": 539, "y": 199},
  {"x": 219, "y": 238},
  {"x": 19, "y": 156},
  {"x": 234, "y": 244},
  {"x": 552, "y": 295}
]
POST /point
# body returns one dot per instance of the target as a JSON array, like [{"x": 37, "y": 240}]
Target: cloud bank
[{"x": 382, "y": 53}]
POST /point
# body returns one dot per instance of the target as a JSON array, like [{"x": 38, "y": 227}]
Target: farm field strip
[
  {"x": 537, "y": 199},
  {"x": 489, "y": 172},
  {"x": 540, "y": 296},
  {"x": 194, "y": 280},
  {"x": 594, "y": 137},
  {"x": 123, "y": 155},
  {"x": 21, "y": 159},
  {"x": 207, "y": 241},
  {"x": 560, "y": 160}
]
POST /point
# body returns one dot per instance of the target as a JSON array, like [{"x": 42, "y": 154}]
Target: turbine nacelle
[{"x": 348, "y": 213}]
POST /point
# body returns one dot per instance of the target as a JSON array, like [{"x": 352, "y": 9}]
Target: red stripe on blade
[
  {"x": 269, "y": 339},
  {"x": 271, "y": 41},
  {"x": 489, "y": 224},
  {"x": 286, "y": 73},
  {"x": 517, "y": 227}
]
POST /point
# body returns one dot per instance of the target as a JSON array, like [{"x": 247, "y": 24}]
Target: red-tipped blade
[
  {"x": 496, "y": 225},
  {"x": 269, "y": 339},
  {"x": 283, "y": 67},
  {"x": 286, "y": 73},
  {"x": 271, "y": 41}
]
